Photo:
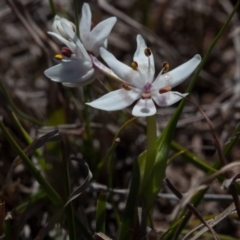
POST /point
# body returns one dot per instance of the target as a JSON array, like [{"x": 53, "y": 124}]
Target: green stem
[
  {"x": 131, "y": 205},
  {"x": 89, "y": 149},
  {"x": 75, "y": 2},
  {"x": 145, "y": 10},
  {"x": 101, "y": 212},
  {"x": 29, "y": 140},
  {"x": 69, "y": 208},
  {"x": 114, "y": 143},
  {"x": 52, "y": 194},
  {"x": 52, "y": 5},
  {"x": 7, "y": 230},
  {"x": 34, "y": 198},
  {"x": 151, "y": 146},
  {"x": 108, "y": 159}
]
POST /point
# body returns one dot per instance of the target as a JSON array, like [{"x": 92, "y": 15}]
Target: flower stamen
[
  {"x": 65, "y": 51},
  {"x": 134, "y": 65},
  {"x": 58, "y": 56},
  {"x": 148, "y": 53},
  {"x": 126, "y": 87},
  {"x": 165, "y": 67},
  {"x": 165, "y": 89}
]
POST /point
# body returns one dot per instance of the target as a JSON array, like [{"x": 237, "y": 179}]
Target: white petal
[
  {"x": 56, "y": 21},
  {"x": 120, "y": 69},
  {"x": 71, "y": 71},
  {"x": 115, "y": 100},
  {"x": 105, "y": 44},
  {"x": 85, "y": 22},
  {"x": 81, "y": 83},
  {"x": 70, "y": 45},
  {"x": 168, "y": 98},
  {"x": 70, "y": 24},
  {"x": 179, "y": 74},
  {"x": 81, "y": 50},
  {"x": 98, "y": 35},
  {"x": 57, "y": 28},
  {"x": 145, "y": 64},
  {"x": 144, "y": 108}
]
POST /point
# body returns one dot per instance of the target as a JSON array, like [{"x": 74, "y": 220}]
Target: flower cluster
[{"x": 78, "y": 66}]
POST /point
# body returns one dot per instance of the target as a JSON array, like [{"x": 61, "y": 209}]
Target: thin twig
[{"x": 207, "y": 197}]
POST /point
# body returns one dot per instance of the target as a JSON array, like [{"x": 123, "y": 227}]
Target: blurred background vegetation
[{"x": 175, "y": 31}]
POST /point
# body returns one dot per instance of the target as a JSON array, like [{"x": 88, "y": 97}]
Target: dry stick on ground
[
  {"x": 190, "y": 207},
  {"x": 24, "y": 22},
  {"x": 97, "y": 187},
  {"x": 222, "y": 158}
]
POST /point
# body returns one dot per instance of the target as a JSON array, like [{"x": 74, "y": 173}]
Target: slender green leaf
[
  {"x": 200, "y": 163},
  {"x": 52, "y": 5},
  {"x": 131, "y": 203},
  {"x": 101, "y": 212},
  {"x": 52, "y": 194}
]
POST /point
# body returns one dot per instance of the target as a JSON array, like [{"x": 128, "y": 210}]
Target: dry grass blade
[
  {"x": 101, "y": 236},
  {"x": 227, "y": 183},
  {"x": 212, "y": 222},
  {"x": 191, "y": 208},
  {"x": 81, "y": 188},
  {"x": 215, "y": 138},
  {"x": 37, "y": 143}
]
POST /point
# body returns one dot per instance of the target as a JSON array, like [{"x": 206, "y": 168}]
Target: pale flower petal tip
[
  {"x": 198, "y": 56},
  {"x": 85, "y": 22},
  {"x": 179, "y": 74},
  {"x": 112, "y": 21},
  {"x": 98, "y": 35},
  {"x": 144, "y": 108},
  {"x": 57, "y": 27},
  {"x": 85, "y": 8},
  {"x": 56, "y": 17}
]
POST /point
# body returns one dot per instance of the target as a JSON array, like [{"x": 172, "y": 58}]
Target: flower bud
[
  {"x": 57, "y": 27},
  {"x": 65, "y": 51}
]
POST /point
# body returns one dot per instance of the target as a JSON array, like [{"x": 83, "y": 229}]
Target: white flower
[
  {"x": 76, "y": 67},
  {"x": 140, "y": 83}
]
